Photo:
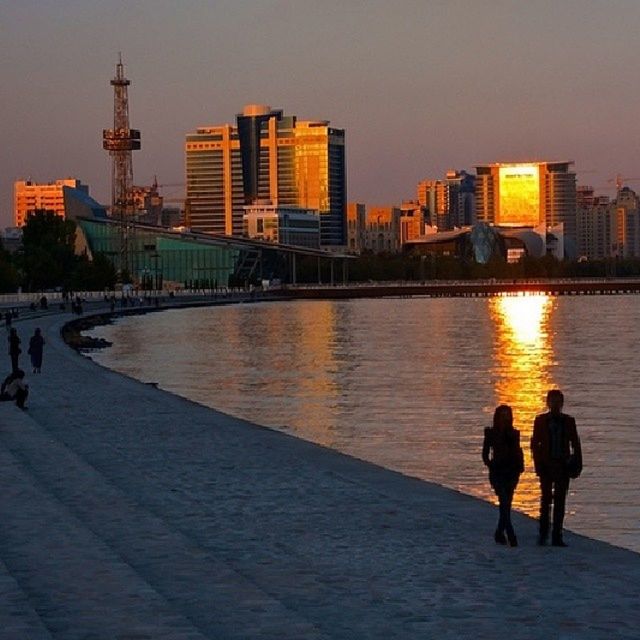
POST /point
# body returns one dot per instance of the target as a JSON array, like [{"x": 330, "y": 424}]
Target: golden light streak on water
[{"x": 522, "y": 362}]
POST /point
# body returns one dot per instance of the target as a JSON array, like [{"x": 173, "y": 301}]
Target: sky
[{"x": 420, "y": 86}]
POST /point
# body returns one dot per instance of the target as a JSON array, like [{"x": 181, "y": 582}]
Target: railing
[
  {"x": 8, "y": 300},
  {"x": 466, "y": 283}
]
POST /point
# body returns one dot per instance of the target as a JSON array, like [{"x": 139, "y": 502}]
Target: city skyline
[{"x": 417, "y": 89}]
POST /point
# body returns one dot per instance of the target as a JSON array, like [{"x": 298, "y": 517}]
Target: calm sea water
[{"x": 411, "y": 383}]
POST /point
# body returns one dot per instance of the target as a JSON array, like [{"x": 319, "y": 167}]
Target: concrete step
[
  {"x": 78, "y": 586},
  {"x": 18, "y": 618},
  {"x": 218, "y": 601}
]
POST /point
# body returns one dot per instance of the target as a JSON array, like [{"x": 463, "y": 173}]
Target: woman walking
[
  {"x": 14, "y": 349},
  {"x": 36, "y": 345},
  {"x": 501, "y": 452}
]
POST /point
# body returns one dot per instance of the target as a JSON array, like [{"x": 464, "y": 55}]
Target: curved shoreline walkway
[{"x": 130, "y": 513}]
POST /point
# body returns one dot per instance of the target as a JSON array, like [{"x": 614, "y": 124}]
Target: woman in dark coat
[
  {"x": 36, "y": 345},
  {"x": 14, "y": 349},
  {"x": 501, "y": 452}
]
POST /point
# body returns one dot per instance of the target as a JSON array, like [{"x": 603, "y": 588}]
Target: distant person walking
[
  {"x": 557, "y": 457},
  {"x": 36, "y": 346},
  {"x": 14, "y": 348},
  {"x": 501, "y": 452}
]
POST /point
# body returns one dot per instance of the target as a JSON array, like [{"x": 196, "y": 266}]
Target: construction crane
[
  {"x": 621, "y": 180},
  {"x": 120, "y": 141}
]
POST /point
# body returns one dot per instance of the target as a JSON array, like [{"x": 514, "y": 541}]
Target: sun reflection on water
[{"x": 522, "y": 372}]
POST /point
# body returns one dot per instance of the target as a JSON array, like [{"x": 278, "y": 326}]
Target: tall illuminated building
[
  {"x": 517, "y": 194},
  {"x": 266, "y": 156}
]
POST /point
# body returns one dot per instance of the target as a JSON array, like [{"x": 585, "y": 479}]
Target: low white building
[{"x": 283, "y": 225}]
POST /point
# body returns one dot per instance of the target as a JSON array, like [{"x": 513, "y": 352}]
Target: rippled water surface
[{"x": 411, "y": 383}]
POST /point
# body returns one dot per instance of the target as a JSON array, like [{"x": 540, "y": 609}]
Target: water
[{"x": 411, "y": 383}]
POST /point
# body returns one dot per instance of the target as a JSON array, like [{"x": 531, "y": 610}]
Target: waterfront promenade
[{"x": 127, "y": 512}]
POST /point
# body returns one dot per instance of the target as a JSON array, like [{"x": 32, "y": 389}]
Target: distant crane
[
  {"x": 120, "y": 141},
  {"x": 621, "y": 180},
  {"x": 155, "y": 186}
]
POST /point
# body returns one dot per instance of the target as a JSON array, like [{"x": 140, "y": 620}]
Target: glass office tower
[
  {"x": 266, "y": 156},
  {"x": 520, "y": 194}
]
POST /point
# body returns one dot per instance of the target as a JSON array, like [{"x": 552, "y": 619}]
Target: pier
[
  {"x": 130, "y": 513},
  {"x": 468, "y": 288}
]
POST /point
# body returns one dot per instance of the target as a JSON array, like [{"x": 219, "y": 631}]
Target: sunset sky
[{"x": 420, "y": 86}]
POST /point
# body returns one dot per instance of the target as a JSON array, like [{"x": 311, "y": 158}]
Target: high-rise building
[
  {"x": 29, "y": 196},
  {"x": 432, "y": 195},
  {"x": 450, "y": 201},
  {"x": 516, "y": 194},
  {"x": 625, "y": 223},
  {"x": 266, "y": 156},
  {"x": 593, "y": 224}
]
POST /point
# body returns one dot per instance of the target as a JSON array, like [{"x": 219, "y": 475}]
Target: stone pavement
[{"x": 130, "y": 513}]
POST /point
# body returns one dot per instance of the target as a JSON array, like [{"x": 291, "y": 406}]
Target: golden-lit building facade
[
  {"x": 625, "y": 224},
  {"x": 448, "y": 202},
  {"x": 29, "y": 196},
  {"x": 356, "y": 223},
  {"x": 214, "y": 180},
  {"x": 266, "y": 156},
  {"x": 412, "y": 221},
  {"x": 433, "y": 196},
  {"x": 382, "y": 229},
  {"x": 527, "y": 194}
]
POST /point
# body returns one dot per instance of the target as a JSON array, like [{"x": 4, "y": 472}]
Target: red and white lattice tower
[{"x": 120, "y": 142}]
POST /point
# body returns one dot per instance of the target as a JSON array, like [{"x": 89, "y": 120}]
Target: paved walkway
[{"x": 129, "y": 513}]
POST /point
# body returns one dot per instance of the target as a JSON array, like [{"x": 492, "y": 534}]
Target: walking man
[
  {"x": 557, "y": 457},
  {"x": 14, "y": 349}
]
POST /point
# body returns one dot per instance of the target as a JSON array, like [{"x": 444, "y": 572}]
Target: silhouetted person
[
  {"x": 15, "y": 388},
  {"x": 36, "y": 346},
  {"x": 557, "y": 457},
  {"x": 44, "y": 303},
  {"x": 501, "y": 452},
  {"x": 3, "y": 388},
  {"x": 14, "y": 348}
]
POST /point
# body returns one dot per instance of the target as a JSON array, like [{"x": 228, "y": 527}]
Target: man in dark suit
[{"x": 557, "y": 457}]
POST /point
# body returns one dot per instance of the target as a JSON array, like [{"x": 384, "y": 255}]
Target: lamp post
[{"x": 155, "y": 256}]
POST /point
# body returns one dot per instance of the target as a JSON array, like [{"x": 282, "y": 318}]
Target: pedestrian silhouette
[
  {"x": 14, "y": 348},
  {"x": 557, "y": 457},
  {"x": 36, "y": 346},
  {"x": 501, "y": 452},
  {"x": 15, "y": 388}
]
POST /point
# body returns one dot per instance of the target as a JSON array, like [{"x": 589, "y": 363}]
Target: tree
[
  {"x": 47, "y": 257},
  {"x": 9, "y": 277}
]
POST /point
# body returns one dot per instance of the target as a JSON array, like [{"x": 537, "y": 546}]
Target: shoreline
[
  {"x": 170, "y": 519},
  {"x": 450, "y": 486}
]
